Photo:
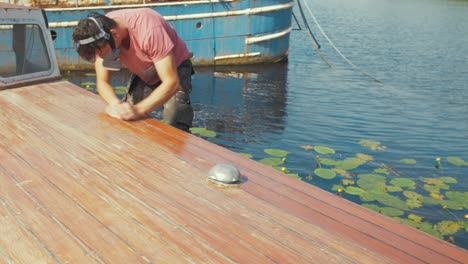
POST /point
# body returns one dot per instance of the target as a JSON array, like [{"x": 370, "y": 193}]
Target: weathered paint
[{"x": 211, "y": 29}]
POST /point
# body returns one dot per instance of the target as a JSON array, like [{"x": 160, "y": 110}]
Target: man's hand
[{"x": 124, "y": 111}]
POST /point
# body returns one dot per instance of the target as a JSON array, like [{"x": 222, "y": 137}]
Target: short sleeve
[{"x": 157, "y": 43}]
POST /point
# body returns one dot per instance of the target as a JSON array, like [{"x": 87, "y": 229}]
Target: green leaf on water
[
  {"x": 336, "y": 187},
  {"x": 354, "y": 190},
  {"x": 390, "y": 211},
  {"x": 382, "y": 171},
  {"x": 391, "y": 188},
  {"x": 449, "y": 180},
  {"x": 458, "y": 197},
  {"x": 85, "y": 84},
  {"x": 373, "y": 145},
  {"x": 403, "y": 182},
  {"x": 447, "y": 227},
  {"x": 324, "y": 150},
  {"x": 372, "y": 182},
  {"x": 373, "y": 207},
  {"x": 408, "y": 161},
  {"x": 430, "y": 229},
  {"x": 392, "y": 201},
  {"x": 328, "y": 162},
  {"x": 120, "y": 90},
  {"x": 245, "y": 155},
  {"x": 295, "y": 175},
  {"x": 414, "y": 203},
  {"x": 408, "y": 222},
  {"x": 415, "y": 218},
  {"x": 350, "y": 163},
  {"x": 325, "y": 173},
  {"x": 412, "y": 195},
  {"x": 202, "y": 131},
  {"x": 272, "y": 161},
  {"x": 364, "y": 157},
  {"x": 457, "y": 161},
  {"x": 276, "y": 152},
  {"x": 347, "y": 182}
]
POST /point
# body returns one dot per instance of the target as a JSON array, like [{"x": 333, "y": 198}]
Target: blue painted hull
[{"x": 224, "y": 32}]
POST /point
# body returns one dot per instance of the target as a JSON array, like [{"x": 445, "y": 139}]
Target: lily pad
[
  {"x": 392, "y": 201},
  {"x": 245, "y": 155},
  {"x": 412, "y": 195},
  {"x": 276, "y": 152},
  {"x": 373, "y": 207},
  {"x": 403, "y": 182},
  {"x": 342, "y": 172},
  {"x": 408, "y": 161},
  {"x": 415, "y": 218},
  {"x": 459, "y": 197},
  {"x": 390, "y": 211},
  {"x": 371, "y": 182},
  {"x": 347, "y": 182},
  {"x": 373, "y": 145},
  {"x": 202, "y": 131},
  {"x": 85, "y": 84},
  {"x": 120, "y": 90},
  {"x": 449, "y": 180},
  {"x": 272, "y": 161},
  {"x": 447, "y": 227},
  {"x": 457, "y": 161},
  {"x": 391, "y": 188},
  {"x": 382, "y": 171},
  {"x": 295, "y": 175},
  {"x": 414, "y": 203},
  {"x": 328, "y": 162},
  {"x": 430, "y": 229},
  {"x": 354, "y": 190},
  {"x": 325, "y": 173},
  {"x": 349, "y": 163},
  {"x": 364, "y": 157},
  {"x": 324, "y": 150}
]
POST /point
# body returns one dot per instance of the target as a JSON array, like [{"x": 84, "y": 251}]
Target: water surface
[{"x": 417, "y": 49}]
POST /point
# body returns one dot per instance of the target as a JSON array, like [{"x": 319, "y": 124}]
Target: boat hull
[{"x": 224, "y": 32}]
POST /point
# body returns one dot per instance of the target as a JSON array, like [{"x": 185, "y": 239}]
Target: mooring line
[
  {"x": 333, "y": 45},
  {"x": 311, "y": 35}
]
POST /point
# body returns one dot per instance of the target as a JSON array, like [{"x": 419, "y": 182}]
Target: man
[{"x": 141, "y": 40}]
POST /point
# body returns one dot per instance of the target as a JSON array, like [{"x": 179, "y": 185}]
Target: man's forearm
[
  {"x": 107, "y": 93},
  {"x": 158, "y": 97}
]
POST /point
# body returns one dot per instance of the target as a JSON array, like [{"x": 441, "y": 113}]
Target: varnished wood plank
[
  {"x": 48, "y": 230},
  {"x": 189, "y": 198},
  {"x": 251, "y": 255},
  {"x": 361, "y": 256},
  {"x": 17, "y": 243},
  {"x": 292, "y": 199},
  {"x": 215, "y": 216},
  {"x": 132, "y": 233},
  {"x": 74, "y": 215}
]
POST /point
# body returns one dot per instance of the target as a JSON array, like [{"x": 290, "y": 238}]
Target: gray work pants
[{"x": 178, "y": 111}]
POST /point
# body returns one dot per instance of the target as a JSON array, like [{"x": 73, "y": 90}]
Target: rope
[
  {"x": 333, "y": 45},
  {"x": 311, "y": 35}
]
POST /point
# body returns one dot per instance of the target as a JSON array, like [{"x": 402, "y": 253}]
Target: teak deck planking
[{"x": 79, "y": 186}]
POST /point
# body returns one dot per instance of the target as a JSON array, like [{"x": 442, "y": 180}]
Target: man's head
[{"x": 93, "y": 34}]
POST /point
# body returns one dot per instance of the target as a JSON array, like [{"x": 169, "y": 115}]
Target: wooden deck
[{"x": 77, "y": 186}]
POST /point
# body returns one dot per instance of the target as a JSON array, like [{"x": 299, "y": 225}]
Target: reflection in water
[{"x": 240, "y": 102}]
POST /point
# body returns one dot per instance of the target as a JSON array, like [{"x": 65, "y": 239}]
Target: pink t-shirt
[{"x": 151, "y": 39}]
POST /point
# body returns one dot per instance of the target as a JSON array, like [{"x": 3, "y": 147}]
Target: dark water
[{"x": 418, "y": 49}]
